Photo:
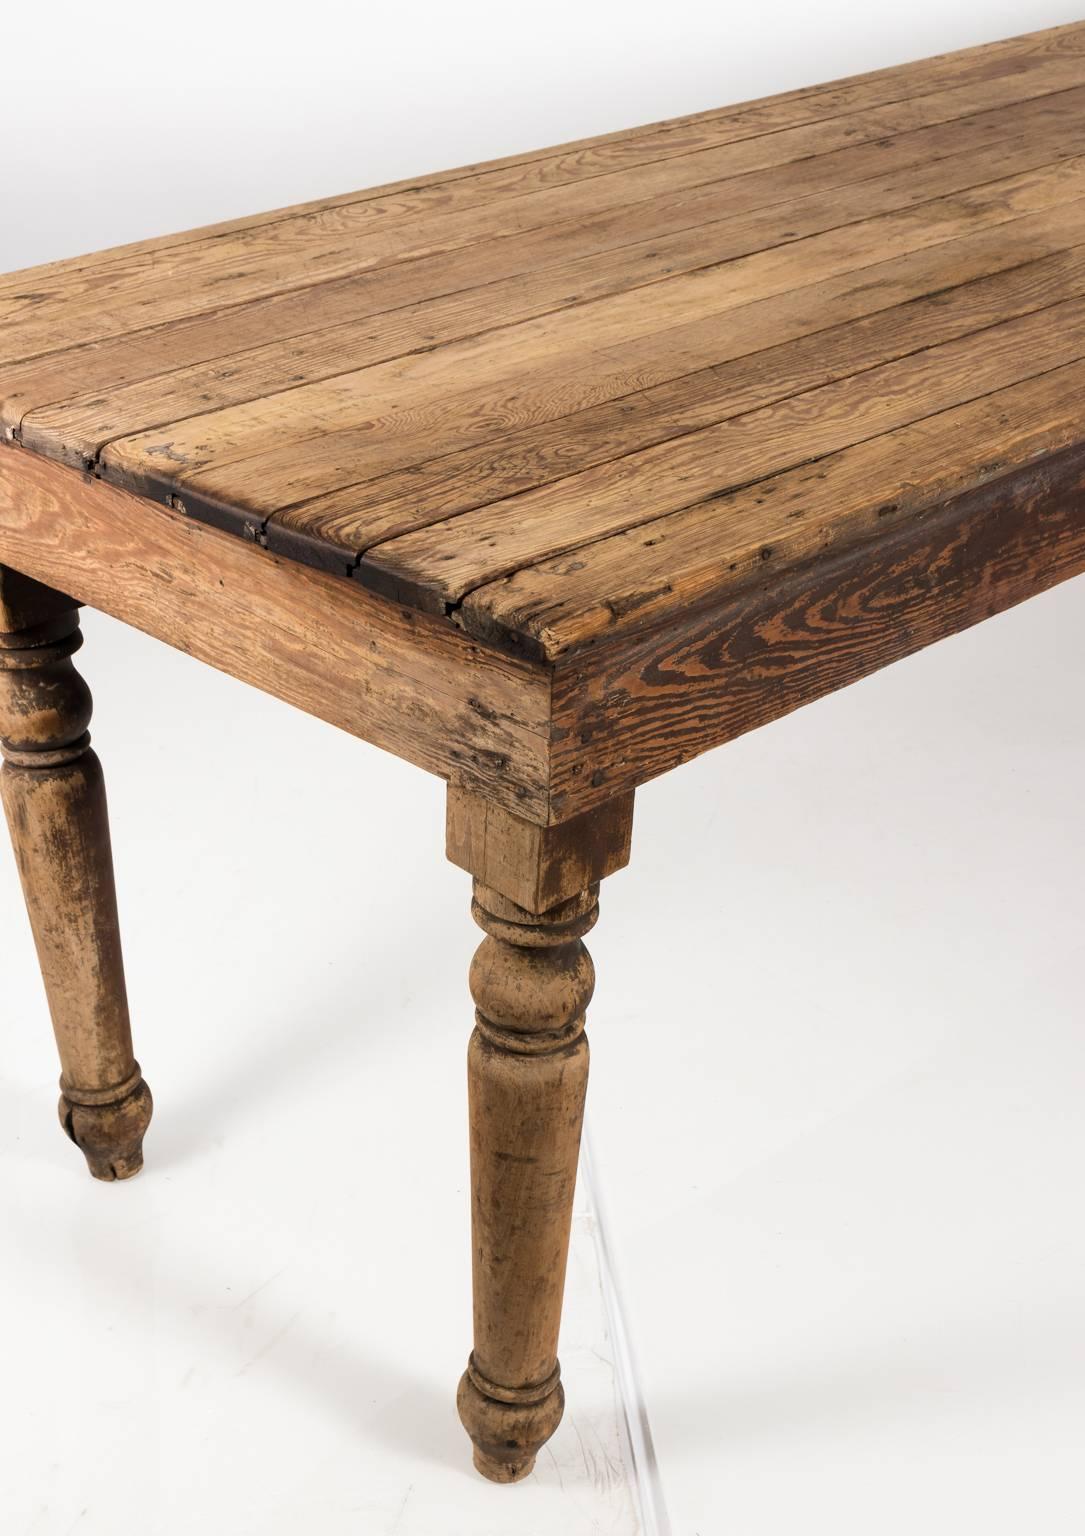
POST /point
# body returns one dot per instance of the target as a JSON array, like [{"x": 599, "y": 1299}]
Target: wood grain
[
  {"x": 442, "y": 387},
  {"x": 291, "y": 445},
  {"x": 787, "y": 109},
  {"x": 335, "y": 236},
  {"x": 626, "y": 712},
  {"x": 139, "y": 385},
  {"x": 549, "y": 413},
  {"x": 412, "y": 686},
  {"x": 678, "y": 561},
  {"x": 337, "y": 240},
  {"x": 437, "y": 566},
  {"x": 750, "y": 341}
]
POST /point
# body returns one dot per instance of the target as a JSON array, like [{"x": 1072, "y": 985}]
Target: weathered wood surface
[
  {"x": 644, "y": 572},
  {"x": 54, "y": 799},
  {"x": 465, "y": 554},
  {"x": 410, "y": 684},
  {"x": 678, "y": 135},
  {"x": 292, "y": 445},
  {"x": 668, "y": 237},
  {"x": 443, "y": 386},
  {"x": 627, "y": 711},
  {"x": 572, "y": 422}
]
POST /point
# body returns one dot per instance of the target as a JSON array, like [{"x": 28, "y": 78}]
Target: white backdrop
[{"x": 839, "y": 1056}]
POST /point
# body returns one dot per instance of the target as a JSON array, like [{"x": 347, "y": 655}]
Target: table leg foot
[
  {"x": 110, "y": 1136},
  {"x": 506, "y": 1436}
]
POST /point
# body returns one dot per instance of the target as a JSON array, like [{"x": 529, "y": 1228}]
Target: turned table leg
[
  {"x": 535, "y": 896},
  {"x": 54, "y": 799}
]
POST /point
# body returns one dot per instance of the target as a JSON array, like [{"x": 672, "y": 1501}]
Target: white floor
[{"x": 836, "y": 1109}]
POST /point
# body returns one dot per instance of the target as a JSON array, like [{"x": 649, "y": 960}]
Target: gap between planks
[
  {"x": 1007, "y": 122},
  {"x": 1056, "y": 77},
  {"x": 996, "y": 197}
]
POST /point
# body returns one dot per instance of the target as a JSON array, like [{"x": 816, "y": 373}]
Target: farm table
[{"x": 546, "y": 475}]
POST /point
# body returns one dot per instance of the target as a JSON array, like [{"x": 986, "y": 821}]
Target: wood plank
[
  {"x": 250, "y": 456},
  {"x": 438, "y": 565},
  {"x": 949, "y": 586},
  {"x": 768, "y": 347},
  {"x": 133, "y": 385},
  {"x": 412, "y": 686},
  {"x": 526, "y": 170},
  {"x": 626, "y": 713},
  {"x": 754, "y": 535},
  {"x": 766, "y": 114},
  {"x": 138, "y": 291}
]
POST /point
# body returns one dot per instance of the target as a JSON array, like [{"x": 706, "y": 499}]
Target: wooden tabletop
[{"x": 575, "y": 392}]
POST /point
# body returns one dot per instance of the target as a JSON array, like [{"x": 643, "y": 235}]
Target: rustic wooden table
[{"x": 546, "y": 475}]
